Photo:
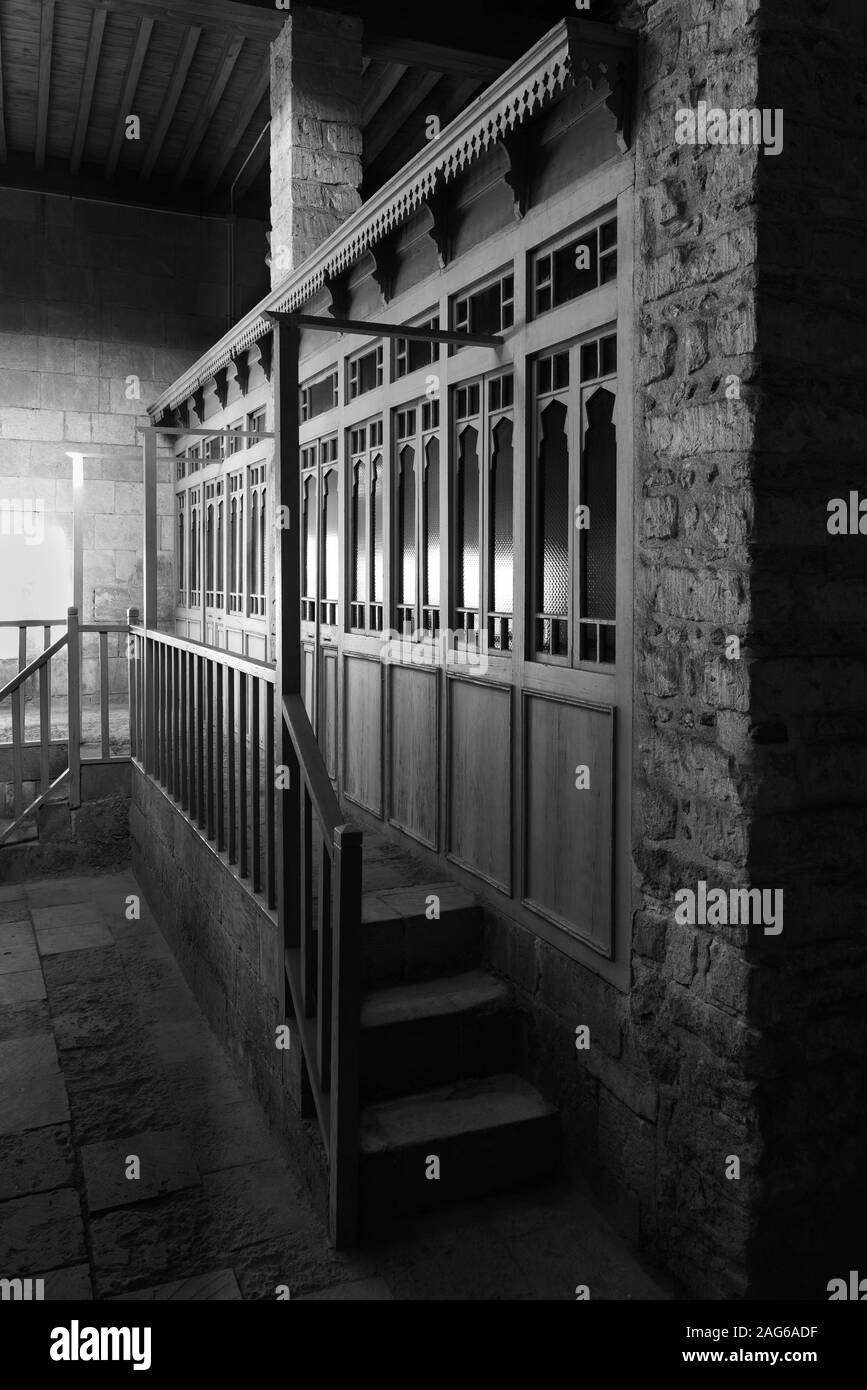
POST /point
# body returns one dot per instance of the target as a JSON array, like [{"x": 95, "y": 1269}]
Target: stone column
[{"x": 315, "y": 132}]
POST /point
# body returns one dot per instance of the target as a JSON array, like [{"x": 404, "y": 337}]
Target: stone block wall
[
  {"x": 315, "y": 132},
  {"x": 101, "y": 308}
]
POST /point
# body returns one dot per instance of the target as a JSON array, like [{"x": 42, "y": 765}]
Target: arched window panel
[
  {"x": 195, "y": 541},
  {"x": 598, "y": 540},
  {"x": 501, "y": 538},
  {"x": 209, "y": 554},
  {"x": 220, "y": 541},
  {"x": 330, "y": 575},
  {"x": 431, "y": 533},
  {"x": 260, "y": 578},
  {"x": 253, "y": 551},
  {"x": 182, "y": 549},
  {"x": 358, "y": 543},
  {"x": 377, "y": 577},
  {"x": 552, "y": 530},
  {"x": 406, "y": 556},
  {"x": 236, "y": 543},
  {"x": 309, "y": 531},
  {"x": 467, "y": 496}
]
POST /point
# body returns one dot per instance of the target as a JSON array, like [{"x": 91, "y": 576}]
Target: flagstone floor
[{"x": 105, "y": 1059}]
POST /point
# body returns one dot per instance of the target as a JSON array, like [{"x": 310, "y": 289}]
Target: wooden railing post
[
  {"x": 286, "y": 493},
  {"x": 74, "y": 706},
  {"x": 132, "y": 617},
  {"x": 149, "y": 584},
  {"x": 345, "y": 1033}
]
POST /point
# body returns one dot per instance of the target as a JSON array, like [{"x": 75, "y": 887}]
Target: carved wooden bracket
[
  {"x": 600, "y": 62},
  {"x": 265, "y": 345},
  {"x": 198, "y": 401},
  {"x": 338, "y": 290},
  {"x": 221, "y": 385},
  {"x": 241, "y": 363},
  {"x": 515, "y": 146},
  {"x": 437, "y": 204},
  {"x": 384, "y": 267},
  {"x": 181, "y": 415}
]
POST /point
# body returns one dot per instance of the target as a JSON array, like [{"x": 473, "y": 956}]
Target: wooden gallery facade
[{"x": 465, "y": 506}]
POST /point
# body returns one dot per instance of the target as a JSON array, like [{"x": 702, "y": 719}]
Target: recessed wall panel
[
  {"x": 362, "y": 737},
  {"x": 414, "y": 752},
  {"x": 480, "y": 800}
]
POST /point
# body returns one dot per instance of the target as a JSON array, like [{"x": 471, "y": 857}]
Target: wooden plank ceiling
[{"x": 195, "y": 73}]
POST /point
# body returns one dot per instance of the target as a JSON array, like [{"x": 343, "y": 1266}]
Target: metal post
[
  {"x": 149, "y": 584},
  {"x": 73, "y": 677}
]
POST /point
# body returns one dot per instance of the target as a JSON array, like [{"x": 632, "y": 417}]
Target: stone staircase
[{"x": 439, "y": 1044}]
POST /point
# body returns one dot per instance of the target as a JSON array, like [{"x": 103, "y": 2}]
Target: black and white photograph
[{"x": 433, "y": 671}]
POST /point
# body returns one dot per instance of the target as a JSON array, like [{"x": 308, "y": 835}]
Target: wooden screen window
[
  {"x": 180, "y": 467},
  {"x": 235, "y": 442},
  {"x": 411, "y": 354},
  {"x": 194, "y": 455},
  {"x": 490, "y": 309},
  {"x": 319, "y": 396},
  {"x": 364, "y": 373},
  {"x": 365, "y": 532},
  {"x": 256, "y": 422},
  {"x": 214, "y": 544},
  {"x": 583, "y": 263},
  {"x": 330, "y": 552},
  {"x": 574, "y": 498},
  {"x": 256, "y": 549},
  {"x": 181, "y": 502},
  {"x": 194, "y": 545},
  {"x": 309, "y": 486},
  {"x": 482, "y": 523},
  {"x": 236, "y": 543},
  {"x": 417, "y": 520},
  {"x": 213, "y": 448}
]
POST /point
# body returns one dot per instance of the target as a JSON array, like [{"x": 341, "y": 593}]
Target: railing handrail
[
  {"x": 32, "y": 667},
  {"x": 312, "y": 765},
  {"x": 32, "y": 622},
  {"x": 247, "y": 664},
  {"x": 103, "y": 627}
]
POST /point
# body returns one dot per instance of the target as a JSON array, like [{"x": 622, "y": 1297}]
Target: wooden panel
[
  {"x": 414, "y": 752},
  {"x": 567, "y": 831},
  {"x": 362, "y": 724},
  {"x": 307, "y": 678},
  {"x": 328, "y": 711},
  {"x": 480, "y": 779}
]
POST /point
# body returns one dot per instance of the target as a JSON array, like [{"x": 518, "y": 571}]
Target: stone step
[
  {"x": 428, "y": 1032},
  {"x": 400, "y": 942},
  {"x": 489, "y": 1135}
]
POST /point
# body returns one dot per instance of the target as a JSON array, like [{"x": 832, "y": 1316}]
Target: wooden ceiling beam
[
  {"x": 246, "y": 20},
  {"x": 434, "y": 57},
  {"x": 127, "y": 96},
  {"x": 223, "y": 71},
  {"x": 171, "y": 99},
  {"x": 46, "y": 39},
  {"x": 246, "y": 112},
  {"x": 376, "y": 90},
  {"x": 409, "y": 95},
  {"x": 88, "y": 82}
]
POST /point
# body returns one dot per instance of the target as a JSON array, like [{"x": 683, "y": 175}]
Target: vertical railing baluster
[
  {"x": 184, "y": 750},
  {"x": 230, "y": 722},
  {"x": 44, "y": 729},
  {"x": 209, "y": 743},
  {"x": 132, "y": 680},
  {"x": 255, "y": 783},
  {"x": 178, "y": 726},
  {"x": 243, "y": 867},
  {"x": 191, "y": 676},
  {"x": 46, "y": 642},
  {"x": 345, "y": 1013},
  {"x": 220, "y": 677},
  {"x": 270, "y": 793},
  {"x": 172, "y": 704},
  {"x": 308, "y": 959},
  {"x": 21, "y": 716},
  {"x": 73, "y": 706},
  {"x": 103, "y": 695},
  {"x": 200, "y": 742},
  {"x": 17, "y": 750},
  {"x": 323, "y": 971}
]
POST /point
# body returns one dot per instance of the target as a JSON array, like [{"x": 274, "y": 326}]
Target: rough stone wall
[
  {"x": 315, "y": 132},
  {"x": 91, "y": 296},
  {"x": 809, "y": 640}
]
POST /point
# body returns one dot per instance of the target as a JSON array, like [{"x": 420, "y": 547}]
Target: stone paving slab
[
  {"x": 219, "y": 1287},
  {"x": 51, "y": 892},
  {"x": 35, "y": 1161},
  {"x": 20, "y": 955},
  {"x": 13, "y": 909},
  {"x": 358, "y": 1290},
  {"x": 229, "y": 1136},
  {"x": 101, "y": 1112},
  {"x": 33, "y": 1093},
  {"x": 27, "y": 1016},
  {"x": 70, "y": 1285},
  {"x": 44, "y": 1231},
  {"x": 20, "y": 987},
  {"x": 81, "y": 936},
  {"x": 166, "y": 1164}
]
